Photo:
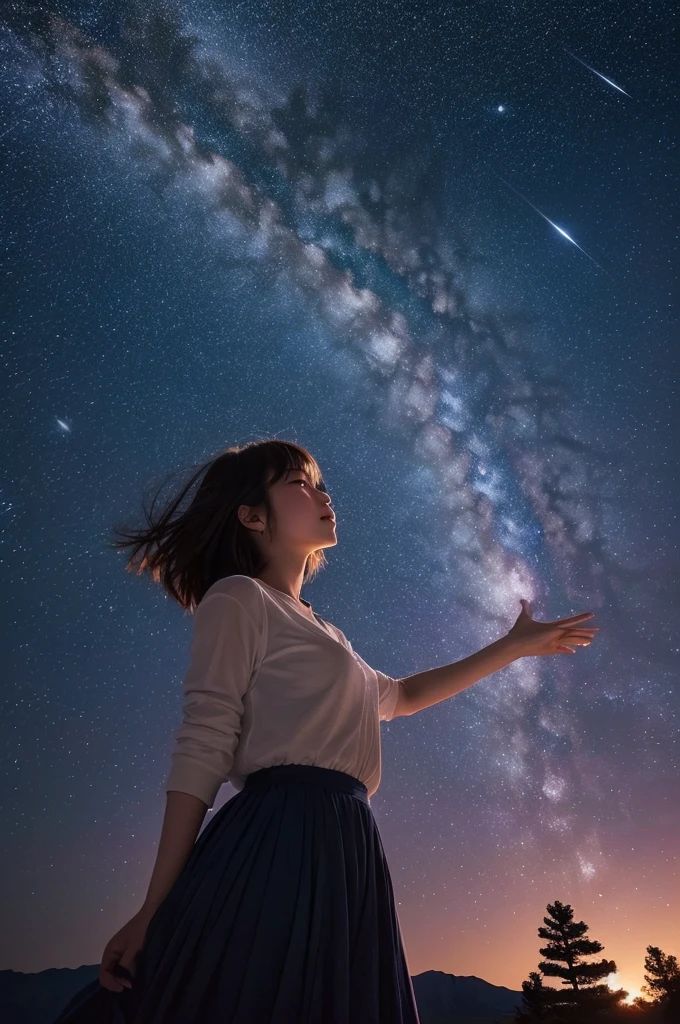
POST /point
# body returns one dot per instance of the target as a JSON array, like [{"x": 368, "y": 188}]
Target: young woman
[{"x": 282, "y": 911}]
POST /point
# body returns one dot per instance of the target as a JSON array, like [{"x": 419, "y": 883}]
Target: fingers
[
  {"x": 128, "y": 968},
  {"x": 113, "y": 983},
  {"x": 569, "y": 620},
  {"x": 577, "y": 636},
  {"x": 108, "y": 978},
  {"x": 575, "y": 618}
]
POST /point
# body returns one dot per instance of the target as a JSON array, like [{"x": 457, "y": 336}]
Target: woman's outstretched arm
[
  {"x": 527, "y": 637},
  {"x": 424, "y": 689}
]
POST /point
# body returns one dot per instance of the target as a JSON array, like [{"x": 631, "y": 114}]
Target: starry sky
[{"x": 437, "y": 244}]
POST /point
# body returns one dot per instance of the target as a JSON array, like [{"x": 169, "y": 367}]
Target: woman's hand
[
  {"x": 121, "y": 951},
  {"x": 532, "y": 637}
]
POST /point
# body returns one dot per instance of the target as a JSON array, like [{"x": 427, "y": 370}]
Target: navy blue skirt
[{"x": 283, "y": 914}]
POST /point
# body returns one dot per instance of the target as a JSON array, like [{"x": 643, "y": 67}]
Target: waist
[{"x": 308, "y": 774}]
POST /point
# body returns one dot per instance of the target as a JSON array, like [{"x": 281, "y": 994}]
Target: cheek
[{"x": 296, "y": 510}]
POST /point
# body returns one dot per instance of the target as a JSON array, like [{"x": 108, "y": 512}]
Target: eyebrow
[{"x": 321, "y": 483}]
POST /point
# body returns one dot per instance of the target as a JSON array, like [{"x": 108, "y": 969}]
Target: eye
[{"x": 321, "y": 486}]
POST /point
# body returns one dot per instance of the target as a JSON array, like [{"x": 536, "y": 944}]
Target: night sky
[{"x": 436, "y": 244}]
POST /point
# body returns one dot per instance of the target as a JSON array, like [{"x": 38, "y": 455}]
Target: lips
[{"x": 332, "y": 518}]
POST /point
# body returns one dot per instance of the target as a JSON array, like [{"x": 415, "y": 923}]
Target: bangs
[{"x": 295, "y": 459}]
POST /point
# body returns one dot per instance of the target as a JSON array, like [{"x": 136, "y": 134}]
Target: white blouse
[{"x": 268, "y": 685}]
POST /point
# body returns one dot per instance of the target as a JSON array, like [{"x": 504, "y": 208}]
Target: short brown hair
[{"x": 206, "y": 541}]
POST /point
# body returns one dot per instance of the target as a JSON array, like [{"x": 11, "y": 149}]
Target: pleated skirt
[{"x": 283, "y": 914}]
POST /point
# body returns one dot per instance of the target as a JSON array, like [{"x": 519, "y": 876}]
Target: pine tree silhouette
[
  {"x": 534, "y": 1007},
  {"x": 583, "y": 998},
  {"x": 663, "y": 982}
]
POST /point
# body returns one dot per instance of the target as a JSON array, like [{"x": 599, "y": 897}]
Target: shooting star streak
[
  {"x": 12, "y": 127},
  {"x": 604, "y": 79},
  {"x": 552, "y": 225}
]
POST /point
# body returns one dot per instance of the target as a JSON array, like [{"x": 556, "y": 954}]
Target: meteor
[
  {"x": 552, "y": 225},
  {"x": 12, "y": 127},
  {"x": 607, "y": 80}
]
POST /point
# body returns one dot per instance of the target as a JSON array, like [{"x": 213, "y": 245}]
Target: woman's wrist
[
  {"x": 146, "y": 911},
  {"x": 513, "y": 645}
]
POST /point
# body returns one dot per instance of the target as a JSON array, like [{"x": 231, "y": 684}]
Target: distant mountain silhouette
[
  {"x": 444, "y": 998},
  {"x": 441, "y": 998},
  {"x": 38, "y": 998}
]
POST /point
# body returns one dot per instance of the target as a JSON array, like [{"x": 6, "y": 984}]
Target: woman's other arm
[
  {"x": 227, "y": 638},
  {"x": 182, "y": 822}
]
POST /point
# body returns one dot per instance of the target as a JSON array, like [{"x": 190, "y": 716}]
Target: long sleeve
[{"x": 223, "y": 655}]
